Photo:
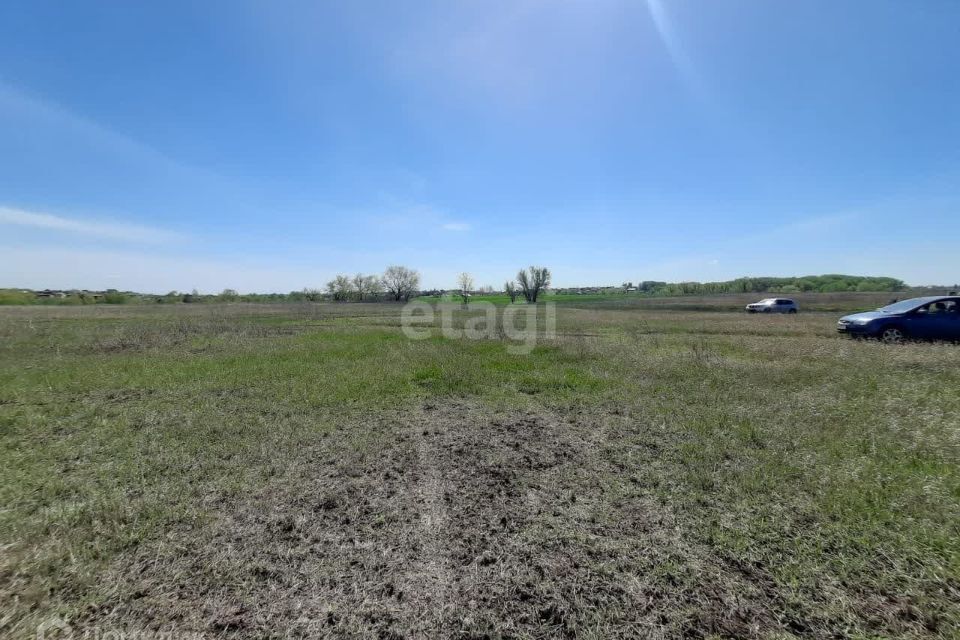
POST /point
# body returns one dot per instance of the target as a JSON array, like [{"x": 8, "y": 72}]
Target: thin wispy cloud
[
  {"x": 73, "y": 129},
  {"x": 674, "y": 47},
  {"x": 418, "y": 217},
  {"x": 61, "y": 267},
  {"x": 91, "y": 228},
  {"x": 821, "y": 224},
  {"x": 16, "y": 101}
]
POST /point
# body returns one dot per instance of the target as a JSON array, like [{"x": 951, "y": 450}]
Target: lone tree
[
  {"x": 340, "y": 288},
  {"x": 533, "y": 281},
  {"x": 511, "y": 288},
  {"x": 400, "y": 282},
  {"x": 466, "y": 284}
]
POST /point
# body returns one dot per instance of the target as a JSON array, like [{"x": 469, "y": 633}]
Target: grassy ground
[{"x": 307, "y": 471}]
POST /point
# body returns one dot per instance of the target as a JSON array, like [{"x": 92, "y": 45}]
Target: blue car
[{"x": 929, "y": 318}]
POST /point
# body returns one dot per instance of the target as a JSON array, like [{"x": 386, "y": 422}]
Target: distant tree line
[
  {"x": 830, "y": 283},
  {"x": 399, "y": 283},
  {"x": 69, "y": 297},
  {"x": 396, "y": 283}
]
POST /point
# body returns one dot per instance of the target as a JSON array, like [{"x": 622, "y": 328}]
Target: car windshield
[{"x": 900, "y": 307}]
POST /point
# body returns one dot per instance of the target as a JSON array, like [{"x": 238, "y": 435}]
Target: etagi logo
[{"x": 522, "y": 326}]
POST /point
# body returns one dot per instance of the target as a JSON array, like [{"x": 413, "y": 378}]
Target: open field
[{"x": 308, "y": 471}]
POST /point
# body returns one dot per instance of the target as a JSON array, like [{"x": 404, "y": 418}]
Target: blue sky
[{"x": 270, "y": 145}]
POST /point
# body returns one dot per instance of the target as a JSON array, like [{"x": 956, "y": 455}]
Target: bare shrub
[{"x": 533, "y": 281}]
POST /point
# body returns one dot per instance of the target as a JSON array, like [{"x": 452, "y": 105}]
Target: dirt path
[{"x": 430, "y": 577}]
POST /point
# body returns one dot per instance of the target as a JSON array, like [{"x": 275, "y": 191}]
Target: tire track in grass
[{"x": 430, "y": 575}]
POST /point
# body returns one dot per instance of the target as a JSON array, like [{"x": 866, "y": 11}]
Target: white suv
[{"x": 773, "y": 305}]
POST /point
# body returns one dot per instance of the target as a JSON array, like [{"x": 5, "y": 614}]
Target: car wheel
[
  {"x": 792, "y": 311},
  {"x": 892, "y": 335}
]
